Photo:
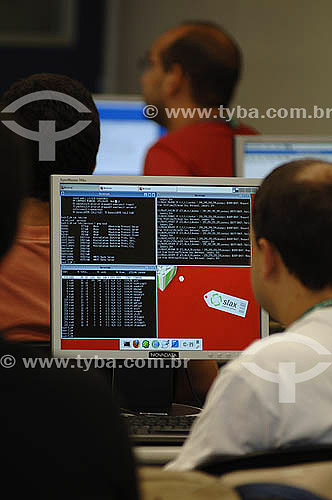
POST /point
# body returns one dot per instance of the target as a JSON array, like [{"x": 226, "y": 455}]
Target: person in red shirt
[{"x": 192, "y": 70}]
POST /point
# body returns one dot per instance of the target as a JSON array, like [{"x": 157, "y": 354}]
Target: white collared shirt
[{"x": 243, "y": 412}]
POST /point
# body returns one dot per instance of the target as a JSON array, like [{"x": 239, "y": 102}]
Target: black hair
[
  {"x": 75, "y": 155},
  {"x": 15, "y": 182},
  {"x": 295, "y": 215},
  {"x": 210, "y": 58}
]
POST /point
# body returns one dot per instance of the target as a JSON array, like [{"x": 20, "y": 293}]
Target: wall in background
[
  {"x": 286, "y": 46},
  {"x": 39, "y": 36}
]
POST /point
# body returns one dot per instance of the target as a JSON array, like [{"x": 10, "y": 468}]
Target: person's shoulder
[
  {"x": 291, "y": 344},
  {"x": 176, "y": 136},
  {"x": 263, "y": 352},
  {"x": 221, "y": 127},
  {"x": 195, "y": 133}
]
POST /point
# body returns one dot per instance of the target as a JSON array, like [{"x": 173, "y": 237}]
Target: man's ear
[
  {"x": 270, "y": 258},
  {"x": 173, "y": 80}
]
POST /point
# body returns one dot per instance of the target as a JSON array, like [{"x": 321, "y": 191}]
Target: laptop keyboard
[{"x": 159, "y": 428}]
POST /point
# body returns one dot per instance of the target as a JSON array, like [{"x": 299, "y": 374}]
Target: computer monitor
[
  {"x": 257, "y": 155},
  {"x": 146, "y": 267},
  {"x": 126, "y": 135}
]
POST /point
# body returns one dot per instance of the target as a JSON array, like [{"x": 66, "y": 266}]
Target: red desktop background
[{"x": 183, "y": 312}]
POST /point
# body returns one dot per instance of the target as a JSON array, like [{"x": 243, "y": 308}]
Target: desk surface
[{"x": 155, "y": 455}]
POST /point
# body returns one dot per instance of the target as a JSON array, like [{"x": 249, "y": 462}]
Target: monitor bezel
[
  {"x": 240, "y": 140},
  {"x": 55, "y": 256}
]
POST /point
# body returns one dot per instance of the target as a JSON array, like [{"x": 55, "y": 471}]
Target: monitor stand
[{"x": 148, "y": 391}]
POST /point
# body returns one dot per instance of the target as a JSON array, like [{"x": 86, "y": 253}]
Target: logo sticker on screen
[{"x": 226, "y": 303}]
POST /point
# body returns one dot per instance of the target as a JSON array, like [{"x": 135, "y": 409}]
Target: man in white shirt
[{"x": 278, "y": 392}]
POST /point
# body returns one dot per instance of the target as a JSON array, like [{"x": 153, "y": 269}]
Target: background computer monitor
[
  {"x": 257, "y": 155},
  {"x": 152, "y": 266},
  {"x": 126, "y": 135}
]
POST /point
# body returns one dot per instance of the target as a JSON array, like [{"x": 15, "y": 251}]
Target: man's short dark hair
[
  {"x": 75, "y": 155},
  {"x": 295, "y": 215},
  {"x": 210, "y": 58}
]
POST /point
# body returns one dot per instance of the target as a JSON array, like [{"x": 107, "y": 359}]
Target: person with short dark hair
[
  {"x": 192, "y": 70},
  {"x": 293, "y": 212},
  {"x": 61, "y": 433},
  {"x": 277, "y": 393},
  {"x": 75, "y": 155},
  {"x": 24, "y": 276}
]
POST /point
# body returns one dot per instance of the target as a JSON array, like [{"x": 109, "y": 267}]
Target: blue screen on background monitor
[
  {"x": 257, "y": 155},
  {"x": 126, "y": 135}
]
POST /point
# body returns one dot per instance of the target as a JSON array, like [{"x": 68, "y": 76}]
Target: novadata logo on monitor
[{"x": 163, "y": 354}]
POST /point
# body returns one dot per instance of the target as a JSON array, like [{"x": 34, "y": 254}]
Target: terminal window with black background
[{"x": 156, "y": 264}]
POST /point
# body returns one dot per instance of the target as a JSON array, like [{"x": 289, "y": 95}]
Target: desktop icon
[
  {"x": 136, "y": 343},
  {"x": 126, "y": 343},
  {"x": 175, "y": 343},
  {"x": 145, "y": 344},
  {"x": 155, "y": 344}
]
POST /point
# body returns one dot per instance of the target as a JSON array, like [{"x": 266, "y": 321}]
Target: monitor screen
[
  {"x": 125, "y": 135},
  {"x": 256, "y": 156},
  {"x": 145, "y": 265}
]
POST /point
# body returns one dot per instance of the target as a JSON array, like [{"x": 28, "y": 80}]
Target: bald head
[
  {"x": 293, "y": 211},
  {"x": 216, "y": 41},
  {"x": 208, "y": 57},
  {"x": 314, "y": 171}
]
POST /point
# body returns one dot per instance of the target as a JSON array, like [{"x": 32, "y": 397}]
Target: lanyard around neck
[{"x": 324, "y": 303}]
